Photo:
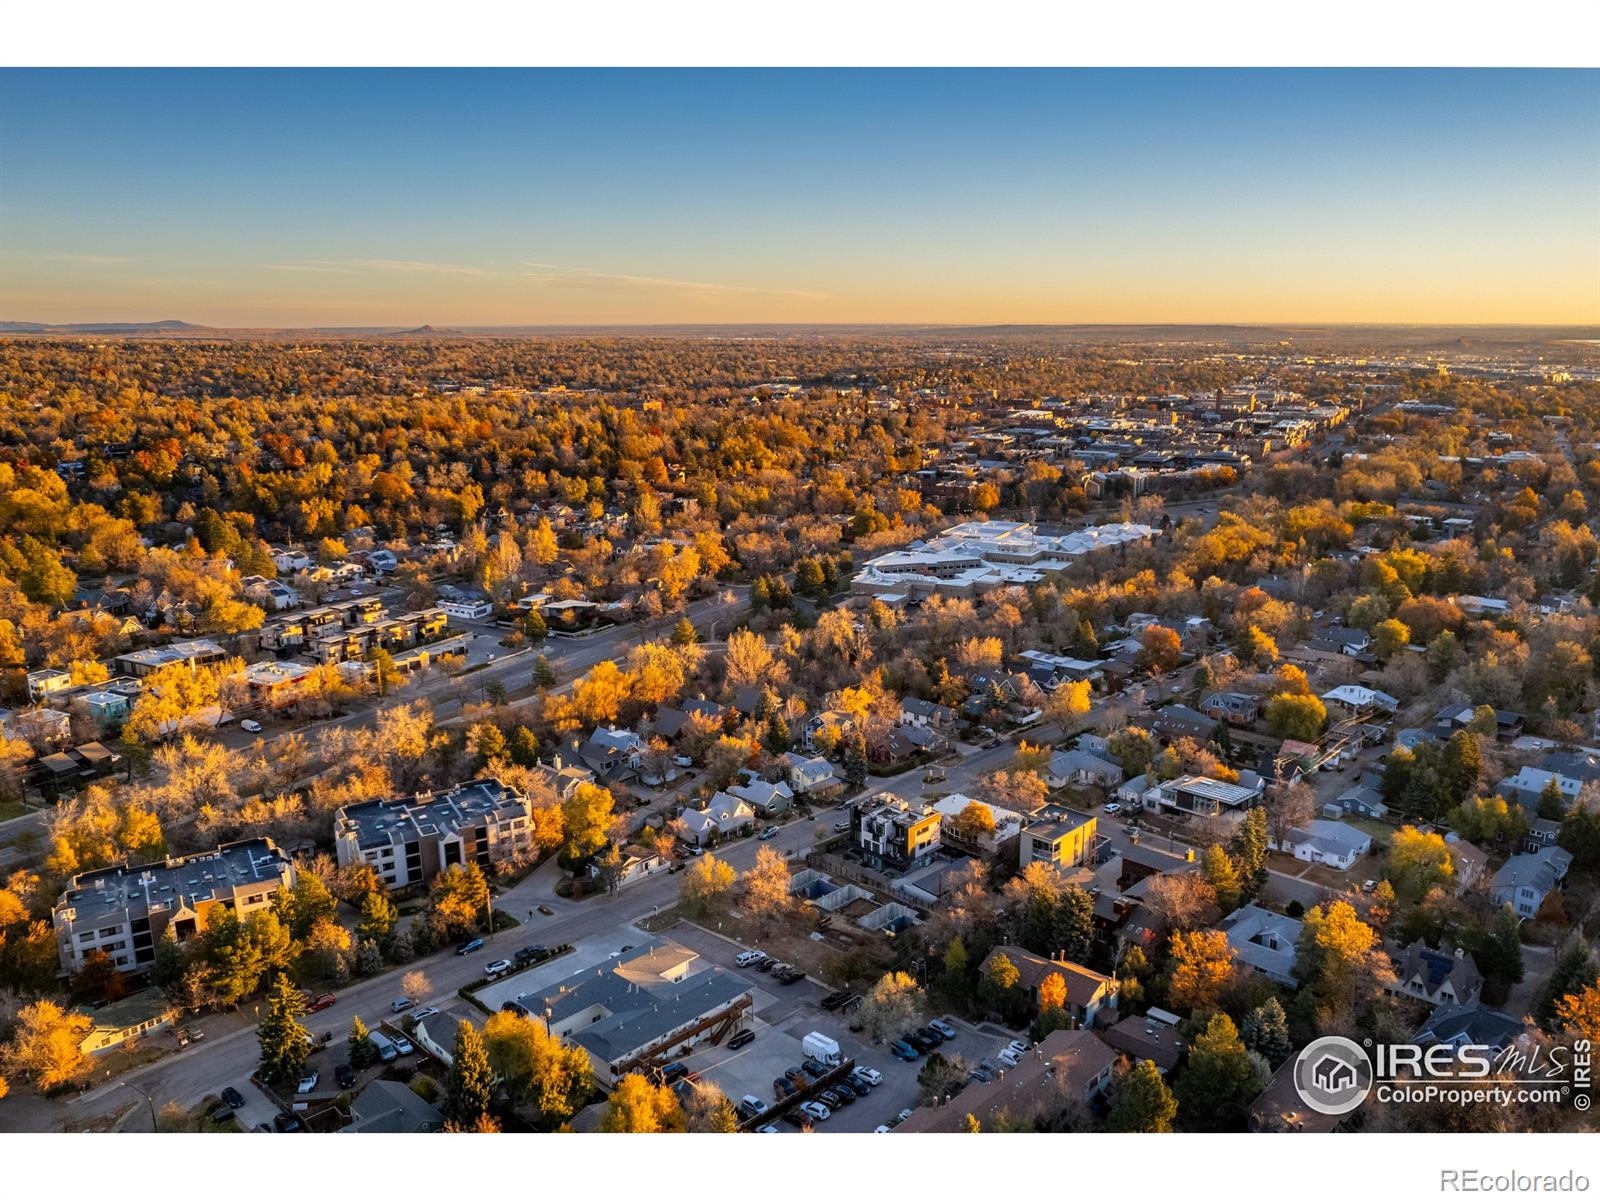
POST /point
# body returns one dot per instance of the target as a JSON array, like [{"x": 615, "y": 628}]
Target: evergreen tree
[
  {"x": 491, "y": 746},
  {"x": 524, "y": 746},
  {"x": 362, "y": 1052},
  {"x": 1249, "y": 851},
  {"x": 284, "y": 1041},
  {"x": 1220, "y": 1080},
  {"x": 535, "y": 627},
  {"x": 170, "y": 962},
  {"x": 1497, "y": 949},
  {"x": 1072, "y": 925},
  {"x": 855, "y": 760},
  {"x": 1575, "y": 969},
  {"x": 468, "y": 1087},
  {"x": 544, "y": 675},
  {"x": 1552, "y": 804},
  {"x": 1266, "y": 1031},
  {"x": 777, "y": 738},
  {"x": 683, "y": 633},
  {"x": 1144, "y": 1103},
  {"x": 1460, "y": 764}
]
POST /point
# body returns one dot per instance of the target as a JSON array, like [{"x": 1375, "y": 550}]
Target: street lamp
[{"x": 148, "y": 1099}]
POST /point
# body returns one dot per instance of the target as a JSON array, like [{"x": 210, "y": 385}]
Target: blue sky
[{"x": 573, "y": 196}]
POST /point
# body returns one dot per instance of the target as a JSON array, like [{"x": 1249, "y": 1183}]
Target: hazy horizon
[{"x": 247, "y": 199}]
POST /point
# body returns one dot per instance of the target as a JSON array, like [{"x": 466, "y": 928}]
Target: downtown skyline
[{"x": 571, "y": 197}]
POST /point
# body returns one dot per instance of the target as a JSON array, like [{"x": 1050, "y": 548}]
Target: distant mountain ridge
[{"x": 107, "y": 327}]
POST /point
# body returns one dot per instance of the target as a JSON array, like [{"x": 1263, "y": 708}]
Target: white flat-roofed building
[{"x": 978, "y": 556}]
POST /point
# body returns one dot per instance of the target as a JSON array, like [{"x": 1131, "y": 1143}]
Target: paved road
[{"x": 228, "y": 1058}]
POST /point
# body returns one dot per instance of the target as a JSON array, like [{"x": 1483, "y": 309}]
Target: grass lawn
[{"x": 10, "y": 809}]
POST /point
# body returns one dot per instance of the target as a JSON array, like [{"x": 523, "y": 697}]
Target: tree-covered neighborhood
[{"x": 941, "y": 732}]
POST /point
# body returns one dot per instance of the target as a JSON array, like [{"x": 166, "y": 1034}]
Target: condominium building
[
  {"x": 409, "y": 841},
  {"x": 124, "y": 910}
]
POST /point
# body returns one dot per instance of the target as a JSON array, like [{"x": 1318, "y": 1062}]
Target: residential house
[
  {"x": 124, "y": 910},
  {"x": 1180, "y": 721},
  {"x": 1357, "y": 701},
  {"x": 894, "y": 834},
  {"x": 1280, "y": 1108},
  {"x": 1091, "y": 996},
  {"x": 1362, "y": 800},
  {"x": 1329, "y": 843},
  {"x": 1236, "y": 708},
  {"x": 46, "y": 682},
  {"x": 927, "y": 714},
  {"x": 53, "y": 774},
  {"x": 766, "y": 798},
  {"x": 409, "y": 841},
  {"x": 721, "y": 816},
  {"x": 1462, "y": 1025},
  {"x": 1065, "y": 840},
  {"x": 1527, "y": 787},
  {"x": 1079, "y": 768},
  {"x": 124, "y": 1021},
  {"x": 140, "y": 663},
  {"x": 1146, "y": 1039},
  {"x": 1264, "y": 941},
  {"x": 810, "y": 777},
  {"x": 1199, "y": 795},
  {"x": 1436, "y": 976},
  {"x": 1007, "y": 824},
  {"x": 1526, "y": 879},
  {"x": 387, "y": 1106}
]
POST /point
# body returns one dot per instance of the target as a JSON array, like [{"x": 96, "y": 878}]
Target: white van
[
  {"x": 749, "y": 958},
  {"x": 387, "y": 1050}
]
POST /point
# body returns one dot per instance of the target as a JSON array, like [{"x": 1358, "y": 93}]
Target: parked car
[
  {"x": 766, "y": 964},
  {"x": 1009, "y": 1056},
  {"x": 344, "y": 1075},
  {"x": 250, "y": 726},
  {"x": 1113, "y": 809},
  {"x": 947, "y": 1030},
  {"x": 546, "y": 911},
  {"x": 767, "y": 834},
  {"x": 742, "y": 1039},
  {"x": 497, "y": 968},
  {"x": 400, "y": 1005},
  {"x": 922, "y": 1041},
  {"x": 422, "y": 1014},
  {"x": 798, "y": 1078},
  {"x": 816, "y": 1111},
  {"x": 782, "y": 1089},
  {"x": 469, "y": 947},
  {"x": 830, "y": 1098},
  {"x": 797, "y": 1118},
  {"x": 403, "y": 1046},
  {"x": 873, "y": 1078},
  {"x": 307, "y": 1084},
  {"x": 326, "y": 1000},
  {"x": 288, "y": 1123},
  {"x": 903, "y": 1051},
  {"x": 834, "y": 999},
  {"x": 673, "y": 1071},
  {"x": 814, "y": 1068},
  {"x": 1019, "y": 1047},
  {"x": 847, "y": 1093},
  {"x": 841, "y": 826},
  {"x": 232, "y": 1098},
  {"x": 748, "y": 958},
  {"x": 752, "y": 1106}
]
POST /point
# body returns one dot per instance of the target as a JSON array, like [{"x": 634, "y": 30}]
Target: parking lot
[
  {"x": 588, "y": 953},
  {"x": 782, "y": 1016}
]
